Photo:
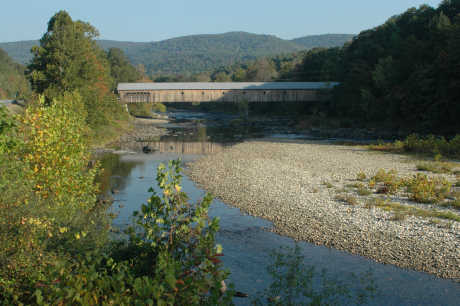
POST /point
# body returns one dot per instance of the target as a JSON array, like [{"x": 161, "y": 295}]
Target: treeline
[
  {"x": 197, "y": 53},
  {"x": 13, "y": 84},
  {"x": 403, "y": 75},
  {"x": 273, "y": 68}
]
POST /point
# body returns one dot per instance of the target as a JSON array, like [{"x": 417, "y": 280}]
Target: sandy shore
[{"x": 295, "y": 185}]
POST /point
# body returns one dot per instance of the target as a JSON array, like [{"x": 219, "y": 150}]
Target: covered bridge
[{"x": 224, "y": 92}]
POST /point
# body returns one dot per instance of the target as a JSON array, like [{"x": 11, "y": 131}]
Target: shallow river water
[{"x": 247, "y": 241}]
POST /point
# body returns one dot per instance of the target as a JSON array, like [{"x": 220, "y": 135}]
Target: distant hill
[
  {"x": 197, "y": 53},
  {"x": 324, "y": 40},
  {"x": 19, "y": 50}
]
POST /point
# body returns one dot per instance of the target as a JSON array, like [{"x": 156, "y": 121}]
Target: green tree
[
  {"x": 13, "y": 84},
  {"x": 69, "y": 59},
  {"x": 121, "y": 69}
]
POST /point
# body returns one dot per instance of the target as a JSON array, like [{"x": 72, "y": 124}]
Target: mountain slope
[
  {"x": 204, "y": 52},
  {"x": 324, "y": 40},
  {"x": 197, "y": 53}
]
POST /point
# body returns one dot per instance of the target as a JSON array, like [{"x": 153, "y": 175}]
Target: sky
[{"x": 155, "y": 20}]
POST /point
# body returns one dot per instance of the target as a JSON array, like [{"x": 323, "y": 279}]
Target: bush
[
  {"x": 170, "y": 259},
  {"x": 51, "y": 214},
  {"x": 431, "y": 145},
  {"x": 391, "y": 183},
  {"x": 428, "y": 190},
  {"x": 145, "y": 109}
]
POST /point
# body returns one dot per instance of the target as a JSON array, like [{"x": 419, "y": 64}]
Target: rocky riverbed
[{"x": 295, "y": 185}]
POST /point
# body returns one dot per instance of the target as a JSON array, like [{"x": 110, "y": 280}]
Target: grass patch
[
  {"x": 422, "y": 189},
  {"x": 348, "y": 199},
  {"x": 361, "y": 189},
  {"x": 401, "y": 209},
  {"x": 361, "y": 176},
  {"x": 452, "y": 204},
  {"x": 328, "y": 184},
  {"x": 435, "y": 167},
  {"x": 419, "y": 188},
  {"x": 388, "y": 180},
  {"x": 398, "y": 216}
]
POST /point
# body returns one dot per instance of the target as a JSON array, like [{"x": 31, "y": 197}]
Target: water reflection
[
  {"x": 176, "y": 147},
  {"x": 114, "y": 172}
]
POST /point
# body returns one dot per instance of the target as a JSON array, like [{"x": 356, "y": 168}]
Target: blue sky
[{"x": 153, "y": 20}]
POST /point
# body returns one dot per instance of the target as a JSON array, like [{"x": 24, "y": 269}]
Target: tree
[
  {"x": 13, "y": 84},
  {"x": 69, "y": 59},
  {"x": 262, "y": 70},
  {"x": 121, "y": 69}
]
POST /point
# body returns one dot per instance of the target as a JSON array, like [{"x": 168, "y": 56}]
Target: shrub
[
  {"x": 391, "y": 183},
  {"x": 159, "y": 107},
  {"x": 51, "y": 214},
  {"x": 361, "y": 176},
  {"x": 428, "y": 190},
  {"x": 140, "y": 109},
  {"x": 348, "y": 199},
  {"x": 432, "y": 145},
  {"x": 145, "y": 109},
  {"x": 173, "y": 245}
]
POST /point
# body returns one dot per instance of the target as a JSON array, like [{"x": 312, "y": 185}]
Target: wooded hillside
[{"x": 197, "y": 53}]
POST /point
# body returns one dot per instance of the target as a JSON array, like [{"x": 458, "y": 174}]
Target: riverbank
[
  {"x": 138, "y": 130},
  {"x": 295, "y": 184}
]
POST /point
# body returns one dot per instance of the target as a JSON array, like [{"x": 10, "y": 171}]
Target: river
[{"x": 247, "y": 241}]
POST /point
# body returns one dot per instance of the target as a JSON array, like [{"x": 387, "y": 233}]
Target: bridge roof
[{"x": 227, "y": 85}]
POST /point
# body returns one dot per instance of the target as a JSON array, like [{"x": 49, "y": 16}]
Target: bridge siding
[{"x": 214, "y": 95}]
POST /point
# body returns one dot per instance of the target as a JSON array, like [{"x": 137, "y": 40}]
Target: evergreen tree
[
  {"x": 121, "y": 69},
  {"x": 69, "y": 59}
]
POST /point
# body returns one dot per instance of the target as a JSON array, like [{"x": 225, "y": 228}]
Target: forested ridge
[
  {"x": 197, "y": 53},
  {"x": 402, "y": 75}
]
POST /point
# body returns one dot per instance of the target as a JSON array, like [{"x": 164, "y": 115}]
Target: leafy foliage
[
  {"x": 53, "y": 231},
  {"x": 69, "y": 59},
  {"x": 51, "y": 213},
  {"x": 121, "y": 69},
  {"x": 13, "y": 84},
  {"x": 405, "y": 73}
]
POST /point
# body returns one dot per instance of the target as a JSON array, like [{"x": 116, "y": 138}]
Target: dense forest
[
  {"x": 13, "y": 84},
  {"x": 403, "y": 75},
  {"x": 197, "y": 53}
]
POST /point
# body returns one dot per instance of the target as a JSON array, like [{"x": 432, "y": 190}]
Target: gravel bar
[{"x": 284, "y": 182}]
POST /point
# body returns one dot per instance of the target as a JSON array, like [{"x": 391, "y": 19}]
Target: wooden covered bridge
[{"x": 224, "y": 92}]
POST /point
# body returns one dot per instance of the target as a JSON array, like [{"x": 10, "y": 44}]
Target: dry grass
[
  {"x": 347, "y": 199},
  {"x": 403, "y": 209}
]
